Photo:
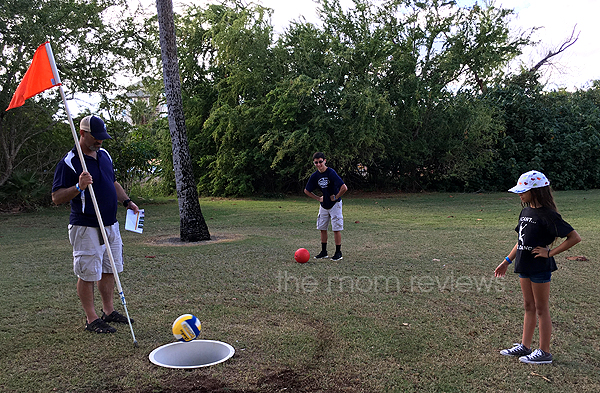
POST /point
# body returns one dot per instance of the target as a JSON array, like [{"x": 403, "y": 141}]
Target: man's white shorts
[
  {"x": 334, "y": 215},
  {"x": 90, "y": 258}
]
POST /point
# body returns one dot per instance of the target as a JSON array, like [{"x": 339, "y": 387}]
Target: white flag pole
[{"x": 92, "y": 195}]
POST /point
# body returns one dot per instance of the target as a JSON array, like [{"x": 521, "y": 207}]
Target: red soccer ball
[{"x": 302, "y": 255}]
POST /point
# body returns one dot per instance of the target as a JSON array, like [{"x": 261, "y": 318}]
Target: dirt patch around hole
[
  {"x": 272, "y": 381},
  {"x": 174, "y": 240}
]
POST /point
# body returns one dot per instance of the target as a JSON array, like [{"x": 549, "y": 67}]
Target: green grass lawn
[{"x": 412, "y": 307}]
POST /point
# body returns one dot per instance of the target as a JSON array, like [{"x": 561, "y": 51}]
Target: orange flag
[{"x": 39, "y": 77}]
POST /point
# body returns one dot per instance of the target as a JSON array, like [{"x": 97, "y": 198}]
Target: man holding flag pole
[
  {"x": 91, "y": 262},
  {"x": 93, "y": 227}
]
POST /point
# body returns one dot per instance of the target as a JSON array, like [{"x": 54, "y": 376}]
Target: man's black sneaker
[
  {"x": 115, "y": 317},
  {"x": 321, "y": 255},
  {"x": 337, "y": 256},
  {"x": 99, "y": 326}
]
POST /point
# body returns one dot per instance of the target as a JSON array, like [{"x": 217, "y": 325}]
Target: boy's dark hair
[
  {"x": 318, "y": 155},
  {"x": 542, "y": 196}
]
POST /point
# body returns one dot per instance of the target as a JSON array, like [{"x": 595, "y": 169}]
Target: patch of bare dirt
[
  {"x": 285, "y": 380},
  {"x": 174, "y": 240}
]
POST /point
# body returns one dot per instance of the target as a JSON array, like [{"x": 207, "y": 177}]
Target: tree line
[{"x": 400, "y": 95}]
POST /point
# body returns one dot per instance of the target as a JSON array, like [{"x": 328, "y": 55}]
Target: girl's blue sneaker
[
  {"x": 537, "y": 357},
  {"x": 517, "y": 350}
]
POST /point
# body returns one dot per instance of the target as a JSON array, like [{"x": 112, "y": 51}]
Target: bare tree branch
[{"x": 551, "y": 53}]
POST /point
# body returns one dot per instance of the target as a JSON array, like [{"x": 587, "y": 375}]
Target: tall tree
[
  {"x": 240, "y": 36},
  {"x": 89, "y": 49},
  {"x": 192, "y": 224}
]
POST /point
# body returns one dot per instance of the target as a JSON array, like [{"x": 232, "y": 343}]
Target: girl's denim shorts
[{"x": 538, "y": 278}]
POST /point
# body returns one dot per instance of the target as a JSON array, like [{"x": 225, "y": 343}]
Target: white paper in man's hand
[{"x": 134, "y": 221}]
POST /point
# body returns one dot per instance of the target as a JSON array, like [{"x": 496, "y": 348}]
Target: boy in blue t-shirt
[{"x": 332, "y": 186}]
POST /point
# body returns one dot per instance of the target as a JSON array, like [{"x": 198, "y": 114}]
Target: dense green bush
[
  {"x": 370, "y": 90},
  {"x": 24, "y": 190},
  {"x": 409, "y": 96},
  {"x": 134, "y": 152},
  {"x": 555, "y": 132}
]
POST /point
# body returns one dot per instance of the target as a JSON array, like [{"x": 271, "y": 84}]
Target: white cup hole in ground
[{"x": 192, "y": 354}]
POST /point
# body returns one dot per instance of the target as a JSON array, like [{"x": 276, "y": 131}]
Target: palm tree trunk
[{"x": 192, "y": 225}]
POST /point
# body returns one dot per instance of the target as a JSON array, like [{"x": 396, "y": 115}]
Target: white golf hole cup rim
[{"x": 192, "y": 354}]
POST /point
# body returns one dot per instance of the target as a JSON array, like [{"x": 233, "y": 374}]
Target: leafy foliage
[
  {"x": 399, "y": 94},
  {"x": 132, "y": 153},
  {"x": 90, "y": 47},
  {"x": 372, "y": 88},
  {"x": 555, "y": 132},
  {"x": 24, "y": 190}
]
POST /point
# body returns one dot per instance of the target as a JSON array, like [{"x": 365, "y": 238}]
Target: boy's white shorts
[
  {"x": 90, "y": 258},
  {"x": 334, "y": 215}
]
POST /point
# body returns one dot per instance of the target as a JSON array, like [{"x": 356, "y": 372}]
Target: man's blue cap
[{"x": 95, "y": 126}]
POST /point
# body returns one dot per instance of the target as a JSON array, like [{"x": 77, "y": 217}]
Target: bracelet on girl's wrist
[
  {"x": 77, "y": 187},
  {"x": 507, "y": 259}
]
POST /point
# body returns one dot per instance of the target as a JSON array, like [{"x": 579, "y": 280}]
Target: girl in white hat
[{"x": 540, "y": 225}]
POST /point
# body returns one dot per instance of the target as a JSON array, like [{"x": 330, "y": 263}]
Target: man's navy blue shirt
[
  {"x": 82, "y": 210},
  {"x": 329, "y": 182}
]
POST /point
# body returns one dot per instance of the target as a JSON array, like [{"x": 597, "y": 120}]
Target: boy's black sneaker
[
  {"x": 337, "y": 256},
  {"x": 322, "y": 255}
]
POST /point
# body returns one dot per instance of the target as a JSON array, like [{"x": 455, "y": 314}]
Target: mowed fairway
[{"x": 412, "y": 307}]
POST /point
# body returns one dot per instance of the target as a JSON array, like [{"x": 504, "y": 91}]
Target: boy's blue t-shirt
[
  {"x": 329, "y": 182},
  {"x": 82, "y": 210}
]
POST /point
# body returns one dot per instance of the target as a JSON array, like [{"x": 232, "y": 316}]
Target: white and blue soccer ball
[{"x": 186, "y": 328}]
